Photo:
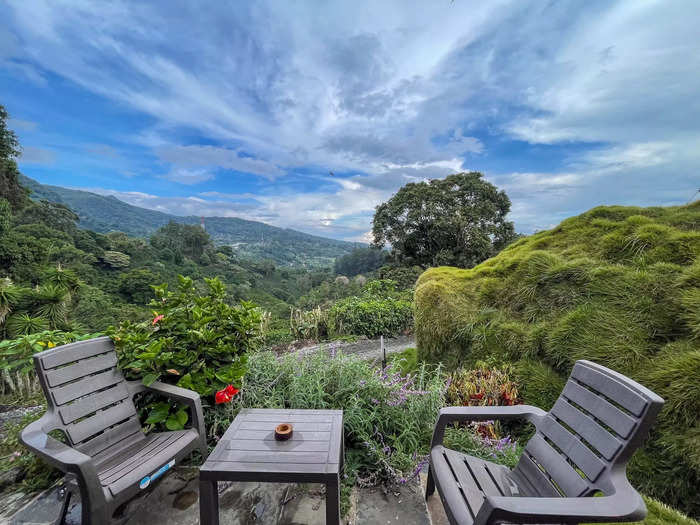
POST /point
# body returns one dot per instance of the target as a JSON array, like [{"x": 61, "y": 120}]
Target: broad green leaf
[
  {"x": 182, "y": 416},
  {"x": 158, "y": 414},
  {"x": 173, "y": 423},
  {"x": 149, "y": 379}
]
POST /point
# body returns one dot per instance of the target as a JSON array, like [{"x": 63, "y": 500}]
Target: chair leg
[
  {"x": 64, "y": 507},
  {"x": 430, "y": 485}
]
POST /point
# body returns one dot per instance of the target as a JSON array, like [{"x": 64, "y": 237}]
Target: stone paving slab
[{"x": 175, "y": 501}]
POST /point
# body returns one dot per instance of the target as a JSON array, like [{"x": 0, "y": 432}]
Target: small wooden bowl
[{"x": 283, "y": 431}]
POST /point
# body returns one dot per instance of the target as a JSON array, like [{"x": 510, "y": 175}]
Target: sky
[{"x": 309, "y": 114}]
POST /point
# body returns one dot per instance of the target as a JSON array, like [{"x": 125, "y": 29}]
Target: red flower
[
  {"x": 157, "y": 318},
  {"x": 226, "y": 395}
]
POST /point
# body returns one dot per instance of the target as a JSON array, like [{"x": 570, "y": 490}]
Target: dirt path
[{"x": 367, "y": 349}]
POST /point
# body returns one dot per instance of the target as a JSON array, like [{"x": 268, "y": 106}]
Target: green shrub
[
  {"x": 538, "y": 383},
  {"x": 482, "y": 386},
  {"x": 32, "y": 473},
  {"x": 406, "y": 361},
  {"x": 371, "y": 317},
  {"x": 674, "y": 375},
  {"x": 195, "y": 341},
  {"x": 596, "y": 331},
  {"x": 310, "y": 324}
]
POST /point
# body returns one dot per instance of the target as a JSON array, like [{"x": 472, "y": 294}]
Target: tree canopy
[
  {"x": 10, "y": 189},
  {"x": 458, "y": 221},
  {"x": 360, "y": 260}
]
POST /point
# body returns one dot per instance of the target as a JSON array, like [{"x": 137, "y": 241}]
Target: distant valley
[{"x": 248, "y": 238}]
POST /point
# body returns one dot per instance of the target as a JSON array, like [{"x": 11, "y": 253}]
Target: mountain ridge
[{"x": 285, "y": 246}]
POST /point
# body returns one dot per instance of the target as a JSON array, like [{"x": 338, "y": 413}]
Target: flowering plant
[
  {"x": 197, "y": 341},
  {"x": 226, "y": 395}
]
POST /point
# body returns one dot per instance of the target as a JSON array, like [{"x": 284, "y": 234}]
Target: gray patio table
[{"x": 248, "y": 451}]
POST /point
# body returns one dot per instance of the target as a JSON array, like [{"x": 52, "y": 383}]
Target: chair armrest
[
  {"x": 57, "y": 454},
  {"x": 624, "y": 505},
  {"x": 189, "y": 397},
  {"x": 452, "y": 414}
]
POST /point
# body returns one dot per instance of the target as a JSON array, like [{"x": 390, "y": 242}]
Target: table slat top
[{"x": 249, "y": 445}]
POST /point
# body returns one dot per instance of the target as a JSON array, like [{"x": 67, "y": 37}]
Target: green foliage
[
  {"x": 16, "y": 357},
  {"x": 482, "y": 386},
  {"x": 5, "y": 216},
  {"x": 378, "y": 311},
  {"x": 10, "y": 189},
  {"x": 310, "y": 324},
  {"x": 23, "y": 324},
  {"x": 388, "y": 418},
  {"x": 539, "y": 384},
  {"x": 405, "y": 277},
  {"x": 116, "y": 260},
  {"x": 360, "y": 260},
  {"x": 459, "y": 220},
  {"x": 33, "y": 473},
  {"x": 196, "y": 341},
  {"x": 504, "y": 451},
  {"x": 406, "y": 361},
  {"x": 617, "y": 285},
  {"x": 135, "y": 285}
]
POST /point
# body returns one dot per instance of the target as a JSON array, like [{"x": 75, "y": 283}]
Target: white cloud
[
  {"x": 211, "y": 156},
  {"x": 395, "y": 92},
  {"x": 34, "y": 155},
  {"x": 185, "y": 176}
]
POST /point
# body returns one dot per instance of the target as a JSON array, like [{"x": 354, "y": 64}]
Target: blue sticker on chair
[{"x": 146, "y": 481}]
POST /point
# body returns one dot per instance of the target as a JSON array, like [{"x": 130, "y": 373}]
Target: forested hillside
[
  {"x": 104, "y": 214},
  {"x": 617, "y": 285}
]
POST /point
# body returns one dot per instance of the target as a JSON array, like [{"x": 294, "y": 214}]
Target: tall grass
[{"x": 617, "y": 285}]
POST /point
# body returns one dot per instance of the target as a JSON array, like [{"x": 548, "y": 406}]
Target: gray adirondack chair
[
  {"x": 107, "y": 456},
  {"x": 581, "y": 447}
]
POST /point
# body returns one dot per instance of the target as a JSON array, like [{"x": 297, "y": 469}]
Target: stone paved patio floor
[{"x": 175, "y": 501}]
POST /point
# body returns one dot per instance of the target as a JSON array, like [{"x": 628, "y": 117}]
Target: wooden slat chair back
[
  {"x": 107, "y": 457},
  {"x": 598, "y": 421},
  {"x": 580, "y": 449},
  {"x": 87, "y": 391}
]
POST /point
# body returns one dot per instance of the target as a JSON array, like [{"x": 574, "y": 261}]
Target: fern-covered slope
[{"x": 617, "y": 285}]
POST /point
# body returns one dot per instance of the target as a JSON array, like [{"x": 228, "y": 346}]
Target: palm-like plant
[
  {"x": 63, "y": 278},
  {"x": 53, "y": 302},
  {"x": 9, "y": 294},
  {"x": 24, "y": 324}
]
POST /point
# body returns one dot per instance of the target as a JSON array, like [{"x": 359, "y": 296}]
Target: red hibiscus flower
[
  {"x": 226, "y": 395},
  {"x": 157, "y": 318}
]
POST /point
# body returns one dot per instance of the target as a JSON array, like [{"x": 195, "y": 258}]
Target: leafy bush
[
  {"x": 538, "y": 383},
  {"x": 482, "y": 386},
  {"x": 32, "y": 473},
  {"x": 16, "y": 358},
  {"x": 616, "y": 285},
  {"x": 388, "y": 417},
  {"x": 371, "y": 317},
  {"x": 380, "y": 310},
  {"x": 195, "y": 341},
  {"x": 311, "y": 324}
]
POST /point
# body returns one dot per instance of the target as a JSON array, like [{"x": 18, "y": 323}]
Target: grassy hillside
[
  {"x": 617, "y": 285},
  {"x": 250, "y": 238}
]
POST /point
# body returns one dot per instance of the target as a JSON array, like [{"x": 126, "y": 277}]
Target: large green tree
[
  {"x": 360, "y": 260},
  {"x": 10, "y": 189},
  {"x": 458, "y": 221}
]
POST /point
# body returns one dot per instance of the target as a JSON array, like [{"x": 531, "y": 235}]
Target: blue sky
[{"x": 242, "y": 109}]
